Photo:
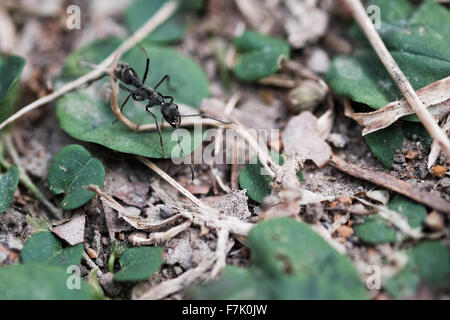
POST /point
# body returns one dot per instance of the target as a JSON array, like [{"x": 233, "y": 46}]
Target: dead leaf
[
  {"x": 306, "y": 22},
  {"x": 133, "y": 194},
  {"x": 72, "y": 231},
  {"x": 435, "y": 97},
  {"x": 301, "y": 138}
]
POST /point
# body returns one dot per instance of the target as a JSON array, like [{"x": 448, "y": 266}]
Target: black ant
[{"x": 142, "y": 92}]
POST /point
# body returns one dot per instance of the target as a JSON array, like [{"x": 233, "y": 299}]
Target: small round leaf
[
  {"x": 139, "y": 263},
  {"x": 71, "y": 171}
]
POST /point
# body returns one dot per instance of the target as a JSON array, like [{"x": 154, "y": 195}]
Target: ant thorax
[{"x": 147, "y": 93}]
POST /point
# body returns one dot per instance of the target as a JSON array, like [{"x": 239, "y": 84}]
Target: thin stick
[
  {"x": 221, "y": 252},
  {"x": 92, "y": 264},
  {"x": 398, "y": 76},
  {"x": 171, "y": 286},
  {"x": 157, "y": 19},
  {"x": 391, "y": 183},
  {"x": 172, "y": 182}
]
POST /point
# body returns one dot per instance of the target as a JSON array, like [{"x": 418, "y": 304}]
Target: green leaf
[
  {"x": 10, "y": 70},
  {"x": 34, "y": 281},
  {"x": 45, "y": 249},
  {"x": 8, "y": 186},
  {"x": 289, "y": 261},
  {"x": 141, "y": 10},
  {"x": 139, "y": 263},
  {"x": 404, "y": 284},
  {"x": 72, "y": 169},
  {"x": 413, "y": 211},
  {"x": 375, "y": 230},
  {"x": 416, "y": 43},
  {"x": 429, "y": 262},
  {"x": 259, "y": 55},
  {"x": 87, "y": 116},
  {"x": 257, "y": 183},
  {"x": 385, "y": 143},
  {"x": 195, "y": 5}
]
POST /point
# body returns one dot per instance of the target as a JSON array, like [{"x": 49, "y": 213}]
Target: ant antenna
[
  {"x": 204, "y": 116},
  {"x": 182, "y": 154}
]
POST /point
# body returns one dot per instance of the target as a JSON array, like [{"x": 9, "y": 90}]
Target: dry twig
[
  {"x": 391, "y": 183},
  {"x": 171, "y": 286}
]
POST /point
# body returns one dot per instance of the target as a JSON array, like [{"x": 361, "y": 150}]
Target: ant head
[{"x": 171, "y": 114}]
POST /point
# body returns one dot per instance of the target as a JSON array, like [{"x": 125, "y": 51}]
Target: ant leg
[
  {"x": 204, "y": 116},
  {"x": 147, "y": 64},
  {"x": 166, "y": 77},
  {"x": 123, "y": 87},
  {"x": 123, "y": 105},
  {"x": 157, "y": 128}
]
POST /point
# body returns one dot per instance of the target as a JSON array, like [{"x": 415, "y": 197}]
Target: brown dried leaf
[
  {"x": 435, "y": 97},
  {"x": 72, "y": 231},
  {"x": 301, "y": 138}
]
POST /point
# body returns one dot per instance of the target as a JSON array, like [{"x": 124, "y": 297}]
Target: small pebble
[
  {"x": 137, "y": 237},
  {"x": 92, "y": 254},
  {"x": 399, "y": 158},
  {"x": 105, "y": 241},
  {"x": 421, "y": 169},
  {"x": 338, "y": 140},
  {"x": 411, "y": 154},
  {"x": 165, "y": 212},
  {"x": 319, "y": 61},
  {"x": 434, "y": 221},
  {"x": 313, "y": 212},
  {"x": 178, "y": 270},
  {"x": 345, "y": 200},
  {"x": 439, "y": 171},
  {"x": 344, "y": 231}
]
